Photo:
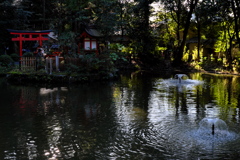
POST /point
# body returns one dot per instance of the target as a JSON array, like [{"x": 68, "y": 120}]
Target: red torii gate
[{"x": 23, "y": 35}]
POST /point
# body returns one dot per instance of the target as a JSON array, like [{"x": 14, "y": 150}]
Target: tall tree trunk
[
  {"x": 236, "y": 13},
  {"x": 199, "y": 39},
  {"x": 229, "y": 52},
  {"x": 146, "y": 35},
  {"x": 147, "y": 43},
  {"x": 177, "y": 20},
  {"x": 178, "y": 59}
]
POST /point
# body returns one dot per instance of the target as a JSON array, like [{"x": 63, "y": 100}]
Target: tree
[
  {"x": 106, "y": 16},
  {"x": 192, "y": 5},
  {"x": 167, "y": 31},
  {"x": 206, "y": 23},
  {"x": 181, "y": 12},
  {"x": 12, "y": 16},
  {"x": 138, "y": 28},
  {"x": 201, "y": 18},
  {"x": 41, "y": 13},
  {"x": 235, "y": 6}
]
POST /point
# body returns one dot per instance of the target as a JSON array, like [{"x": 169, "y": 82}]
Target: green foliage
[
  {"x": 210, "y": 64},
  {"x": 68, "y": 39},
  {"x": 236, "y": 65},
  {"x": 116, "y": 46},
  {"x": 28, "y": 54},
  {"x": 4, "y": 69},
  {"x": 15, "y": 57},
  {"x": 71, "y": 69},
  {"x": 106, "y": 15},
  {"x": 117, "y": 56},
  {"x": 160, "y": 48},
  {"x": 167, "y": 30},
  {"x": 5, "y": 60},
  {"x": 91, "y": 64},
  {"x": 186, "y": 56}
]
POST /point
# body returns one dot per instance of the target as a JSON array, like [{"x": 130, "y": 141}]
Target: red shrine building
[{"x": 89, "y": 41}]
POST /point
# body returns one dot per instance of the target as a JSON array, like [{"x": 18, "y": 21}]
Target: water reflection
[{"x": 134, "y": 118}]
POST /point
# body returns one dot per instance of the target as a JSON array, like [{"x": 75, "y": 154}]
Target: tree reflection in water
[{"x": 136, "y": 117}]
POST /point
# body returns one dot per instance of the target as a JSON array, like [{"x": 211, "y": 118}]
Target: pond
[{"x": 135, "y": 117}]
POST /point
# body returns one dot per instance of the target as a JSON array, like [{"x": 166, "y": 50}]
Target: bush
[
  {"x": 28, "y": 54},
  {"x": 5, "y": 60},
  {"x": 15, "y": 57},
  {"x": 91, "y": 64},
  {"x": 4, "y": 70},
  {"x": 71, "y": 69}
]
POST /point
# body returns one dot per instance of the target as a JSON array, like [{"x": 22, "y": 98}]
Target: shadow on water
[{"x": 136, "y": 117}]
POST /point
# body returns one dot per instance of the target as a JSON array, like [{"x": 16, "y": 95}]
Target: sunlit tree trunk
[
  {"x": 199, "y": 40},
  {"x": 229, "y": 52}
]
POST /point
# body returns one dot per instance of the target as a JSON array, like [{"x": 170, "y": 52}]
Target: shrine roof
[
  {"x": 28, "y": 31},
  {"x": 93, "y": 32}
]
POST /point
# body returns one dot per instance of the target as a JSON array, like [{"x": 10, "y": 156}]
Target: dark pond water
[{"x": 135, "y": 117}]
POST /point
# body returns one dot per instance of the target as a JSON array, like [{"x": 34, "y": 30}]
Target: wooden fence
[
  {"x": 35, "y": 63},
  {"x": 28, "y": 63}
]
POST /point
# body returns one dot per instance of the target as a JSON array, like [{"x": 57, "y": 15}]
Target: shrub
[
  {"x": 118, "y": 56},
  {"x": 15, "y": 57},
  {"x": 4, "y": 70},
  {"x": 90, "y": 64},
  {"x": 28, "y": 54},
  {"x": 71, "y": 69},
  {"x": 5, "y": 60}
]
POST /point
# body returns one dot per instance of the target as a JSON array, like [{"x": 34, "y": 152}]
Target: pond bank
[
  {"x": 63, "y": 78},
  {"x": 56, "y": 78}
]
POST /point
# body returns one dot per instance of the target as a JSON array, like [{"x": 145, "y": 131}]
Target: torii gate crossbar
[{"x": 23, "y": 35}]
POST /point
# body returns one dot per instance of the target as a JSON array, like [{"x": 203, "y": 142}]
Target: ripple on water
[{"x": 179, "y": 140}]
